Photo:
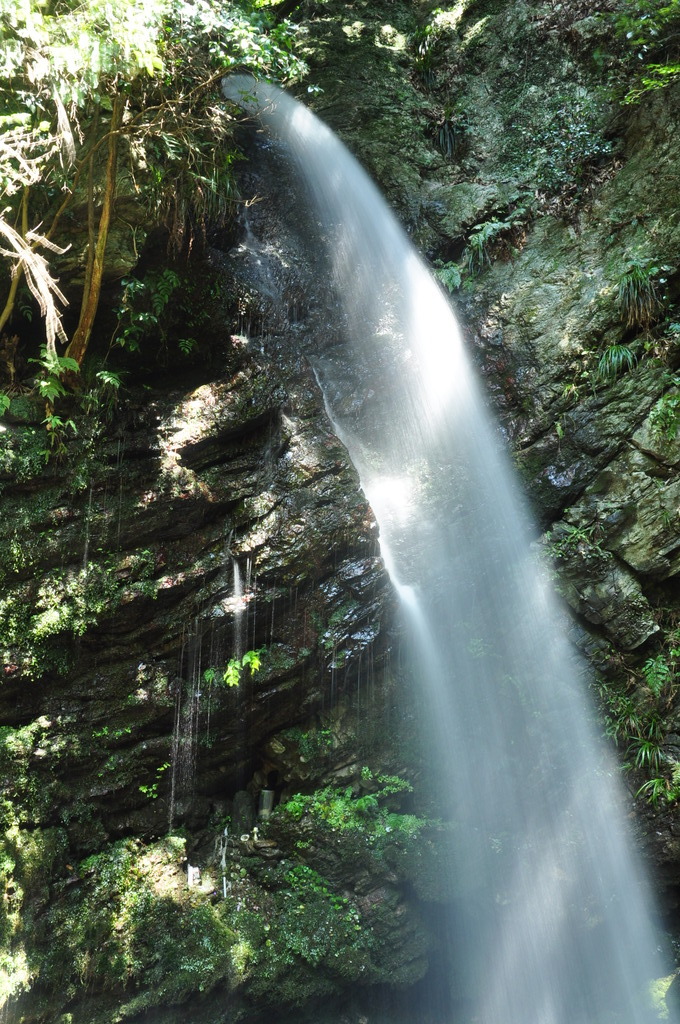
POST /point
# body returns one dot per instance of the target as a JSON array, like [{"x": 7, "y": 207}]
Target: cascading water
[{"x": 549, "y": 924}]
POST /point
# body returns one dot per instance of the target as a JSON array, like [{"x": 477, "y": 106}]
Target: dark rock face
[
  {"x": 212, "y": 520},
  {"x": 191, "y": 539}
]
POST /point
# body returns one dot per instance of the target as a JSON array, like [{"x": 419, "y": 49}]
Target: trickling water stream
[{"x": 550, "y": 923}]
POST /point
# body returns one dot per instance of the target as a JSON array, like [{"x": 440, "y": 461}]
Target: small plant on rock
[
  {"x": 615, "y": 359},
  {"x": 231, "y": 674},
  {"x": 646, "y": 750},
  {"x": 636, "y": 293},
  {"x": 451, "y": 131},
  {"x": 664, "y": 418},
  {"x": 449, "y": 275},
  {"x": 658, "y": 674},
  {"x": 490, "y": 236}
]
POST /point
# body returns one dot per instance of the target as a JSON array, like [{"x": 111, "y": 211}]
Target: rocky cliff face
[
  {"x": 215, "y": 518},
  {"x": 212, "y": 513}
]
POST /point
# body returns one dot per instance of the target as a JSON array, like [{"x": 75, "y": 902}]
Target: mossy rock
[{"x": 28, "y": 409}]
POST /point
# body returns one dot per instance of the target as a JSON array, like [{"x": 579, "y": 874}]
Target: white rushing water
[{"x": 549, "y": 924}]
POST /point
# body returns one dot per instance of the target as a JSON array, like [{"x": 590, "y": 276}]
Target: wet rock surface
[{"x": 215, "y": 519}]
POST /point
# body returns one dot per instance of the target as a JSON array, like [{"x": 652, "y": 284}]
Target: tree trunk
[
  {"x": 19, "y": 270},
  {"x": 284, "y": 9},
  {"x": 78, "y": 346}
]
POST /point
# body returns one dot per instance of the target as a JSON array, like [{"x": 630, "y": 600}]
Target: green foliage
[
  {"x": 645, "y": 28},
  {"x": 50, "y": 384},
  {"x": 39, "y": 619},
  {"x": 22, "y": 453},
  {"x": 345, "y": 811},
  {"x": 557, "y": 147},
  {"x": 427, "y": 41},
  {"x": 143, "y": 308},
  {"x": 664, "y": 418},
  {"x": 565, "y": 541},
  {"x": 485, "y": 237},
  {"x": 451, "y": 130},
  {"x": 624, "y": 718},
  {"x": 636, "y": 292},
  {"x": 5, "y": 402},
  {"x": 479, "y": 240},
  {"x": 187, "y": 345},
  {"x": 646, "y": 751},
  {"x": 306, "y": 882},
  {"x": 658, "y": 674},
  {"x": 615, "y": 359},
  {"x": 252, "y": 660},
  {"x": 661, "y": 787},
  {"x": 57, "y": 431},
  {"x": 304, "y": 939},
  {"x": 160, "y": 307},
  {"x": 642, "y": 21},
  {"x": 657, "y": 76},
  {"x": 29, "y": 856},
  {"x": 151, "y": 790},
  {"x": 50, "y": 387},
  {"x": 573, "y": 141},
  {"x": 654, "y": 789},
  {"x": 635, "y": 721},
  {"x": 120, "y": 927},
  {"x": 312, "y": 743},
  {"x": 366, "y": 805},
  {"x": 81, "y": 51},
  {"x": 675, "y": 775},
  {"x": 388, "y": 783},
  {"x": 71, "y": 601},
  {"x": 449, "y": 274},
  {"x": 102, "y": 397},
  {"x": 231, "y": 674},
  {"x": 67, "y": 73}
]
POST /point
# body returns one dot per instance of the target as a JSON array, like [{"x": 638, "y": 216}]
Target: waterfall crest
[{"x": 551, "y": 923}]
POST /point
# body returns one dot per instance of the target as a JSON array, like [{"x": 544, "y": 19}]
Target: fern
[
  {"x": 478, "y": 243},
  {"x": 163, "y": 285},
  {"x": 658, "y": 674},
  {"x": 664, "y": 418},
  {"x": 450, "y": 276},
  {"x": 483, "y": 236},
  {"x": 366, "y": 805},
  {"x": 109, "y": 379},
  {"x": 675, "y": 774}
]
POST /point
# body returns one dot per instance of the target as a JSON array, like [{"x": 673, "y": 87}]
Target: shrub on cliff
[{"x": 83, "y": 87}]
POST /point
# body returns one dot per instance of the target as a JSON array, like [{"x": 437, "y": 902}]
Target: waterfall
[{"x": 550, "y": 923}]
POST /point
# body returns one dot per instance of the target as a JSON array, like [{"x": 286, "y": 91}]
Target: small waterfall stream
[{"x": 550, "y": 924}]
